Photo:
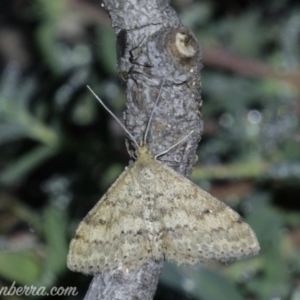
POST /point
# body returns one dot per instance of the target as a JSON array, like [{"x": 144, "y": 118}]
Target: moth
[{"x": 153, "y": 212}]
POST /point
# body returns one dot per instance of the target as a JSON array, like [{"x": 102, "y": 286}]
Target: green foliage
[
  {"x": 59, "y": 151},
  {"x": 21, "y": 267},
  {"x": 199, "y": 283},
  {"x": 55, "y": 229}
]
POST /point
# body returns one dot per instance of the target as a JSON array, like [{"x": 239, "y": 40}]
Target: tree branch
[
  {"x": 221, "y": 58},
  {"x": 154, "y": 51}
]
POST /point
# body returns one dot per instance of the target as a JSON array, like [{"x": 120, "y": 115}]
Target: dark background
[{"x": 60, "y": 151}]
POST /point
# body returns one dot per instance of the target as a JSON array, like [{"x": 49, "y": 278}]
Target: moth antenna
[
  {"x": 112, "y": 114},
  {"x": 152, "y": 113},
  {"x": 166, "y": 151}
]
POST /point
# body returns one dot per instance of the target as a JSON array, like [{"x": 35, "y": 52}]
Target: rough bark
[{"x": 154, "y": 51}]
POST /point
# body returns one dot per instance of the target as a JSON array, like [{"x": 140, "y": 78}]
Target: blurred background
[{"x": 60, "y": 151}]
